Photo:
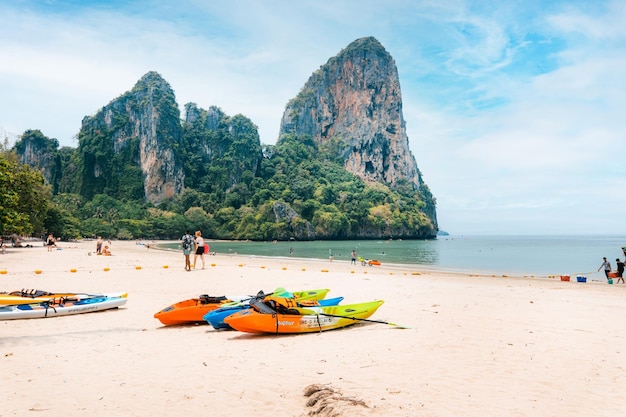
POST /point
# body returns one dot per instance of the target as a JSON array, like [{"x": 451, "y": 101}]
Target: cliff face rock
[
  {"x": 354, "y": 100},
  {"x": 131, "y": 141},
  {"x": 38, "y": 151},
  {"x": 299, "y": 228}
]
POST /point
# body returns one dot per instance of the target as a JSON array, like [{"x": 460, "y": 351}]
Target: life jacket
[{"x": 282, "y": 305}]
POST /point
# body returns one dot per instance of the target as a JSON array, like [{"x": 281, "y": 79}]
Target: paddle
[{"x": 373, "y": 321}]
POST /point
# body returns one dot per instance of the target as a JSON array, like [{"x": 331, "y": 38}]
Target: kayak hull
[
  {"x": 193, "y": 310},
  {"x": 63, "y": 307},
  {"x": 37, "y": 296},
  {"x": 313, "y": 319},
  {"x": 189, "y": 311},
  {"x": 216, "y": 317}
]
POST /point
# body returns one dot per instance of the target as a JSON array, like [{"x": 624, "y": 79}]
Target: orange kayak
[
  {"x": 190, "y": 311},
  {"x": 311, "y": 319},
  {"x": 193, "y": 310}
]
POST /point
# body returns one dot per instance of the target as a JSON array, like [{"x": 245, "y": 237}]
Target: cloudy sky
[{"x": 512, "y": 107}]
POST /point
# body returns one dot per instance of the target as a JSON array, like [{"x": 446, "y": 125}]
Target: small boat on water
[
  {"x": 216, "y": 317},
  {"x": 63, "y": 306},
  {"x": 264, "y": 318},
  {"x": 193, "y": 310}
]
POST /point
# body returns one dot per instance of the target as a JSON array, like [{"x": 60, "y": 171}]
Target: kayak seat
[
  {"x": 207, "y": 299},
  {"x": 261, "y": 307}
]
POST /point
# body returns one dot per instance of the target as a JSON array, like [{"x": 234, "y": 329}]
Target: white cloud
[{"x": 514, "y": 114}]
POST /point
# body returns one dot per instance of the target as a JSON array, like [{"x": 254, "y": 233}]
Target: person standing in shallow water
[{"x": 187, "y": 244}]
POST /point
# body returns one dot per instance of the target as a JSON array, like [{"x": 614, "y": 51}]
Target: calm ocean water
[{"x": 527, "y": 255}]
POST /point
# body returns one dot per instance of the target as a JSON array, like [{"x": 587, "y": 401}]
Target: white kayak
[
  {"x": 63, "y": 306},
  {"x": 37, "y": 296}
]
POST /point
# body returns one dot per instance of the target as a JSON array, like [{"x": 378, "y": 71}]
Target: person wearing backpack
[{"x": 187, "y": 244}]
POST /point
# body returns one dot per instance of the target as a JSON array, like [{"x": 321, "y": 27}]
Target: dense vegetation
[
  {"x": 24, "y": 197},
  {"x": 141, "y": 172},
  {"x": 296, "y": 190}
]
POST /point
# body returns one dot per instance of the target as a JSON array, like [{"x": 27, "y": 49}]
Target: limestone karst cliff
[
  {"x": 131, "y": 141},
  {"x": 36, "y": 150},
  {"x": 341, "y": 169},
  {"x": 355, "y": 100}
]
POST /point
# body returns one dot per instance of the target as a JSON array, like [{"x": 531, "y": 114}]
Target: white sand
[{"x": 477, "y": 346}]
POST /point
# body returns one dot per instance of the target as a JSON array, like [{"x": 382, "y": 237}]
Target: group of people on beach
[
  {"x": 101, "y": 248},
  {"x": 606, "y": 266},
  {"x": 195, "y": 244}
]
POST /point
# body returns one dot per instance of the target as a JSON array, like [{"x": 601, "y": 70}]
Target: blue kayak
[{"x": 216, "y": 317}]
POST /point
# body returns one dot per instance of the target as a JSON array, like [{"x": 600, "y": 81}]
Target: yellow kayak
[
  {"x": 262, "y": 318},
  {"x": 36, "y": 296}
]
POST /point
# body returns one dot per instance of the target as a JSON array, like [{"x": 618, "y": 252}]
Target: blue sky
[{"x": 512, "y": 108}]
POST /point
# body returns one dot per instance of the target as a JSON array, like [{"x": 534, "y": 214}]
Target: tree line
[{"x": 316, "y": 194}]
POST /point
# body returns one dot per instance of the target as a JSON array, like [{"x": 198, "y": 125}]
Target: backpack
[{"x": 187, "y": 242}]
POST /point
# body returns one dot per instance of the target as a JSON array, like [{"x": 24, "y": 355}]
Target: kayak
[
  {"x": 216, "y": 317},
  {"x": 63, "y": 306},
  {"x": 261, "y": 318},
  {"x": 37, "y": 296},
  {"x": 193, "y": 310}
]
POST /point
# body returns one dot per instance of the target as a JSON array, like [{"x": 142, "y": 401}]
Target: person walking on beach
[
  {"x": 50, "y": 242},
  {"x": 199, "y": 249},
  {"x": 607, "y": 267},
  {"x": 187, "y": 244},
  {"x": 353, "y": 258},
  {"x": 620, "y": 271}
]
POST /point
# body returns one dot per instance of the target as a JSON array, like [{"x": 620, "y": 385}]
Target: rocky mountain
[
  {"x": 133, "y": 140},
  {"x": 354, "y": 104},
  {"x": 37, "y": 150},
  {"x": 341, "y": 168}
]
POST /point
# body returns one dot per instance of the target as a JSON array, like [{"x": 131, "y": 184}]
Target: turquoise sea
[{"x": 525, "y": 255}]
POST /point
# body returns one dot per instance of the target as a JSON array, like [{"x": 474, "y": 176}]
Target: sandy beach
[{"x": 475, "y": 345}]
